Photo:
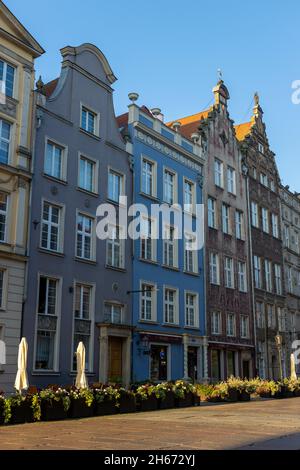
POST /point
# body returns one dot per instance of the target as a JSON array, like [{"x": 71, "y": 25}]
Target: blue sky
[{"x": 169, "y": 51}]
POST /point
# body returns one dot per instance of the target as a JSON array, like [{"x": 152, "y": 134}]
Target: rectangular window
[
  {"x": 148, "y": 241},
  {"x": 216, "y": 323},
  {"x": 211, "y": 212},
  {"x": 113, "y": 313},
  {"x": 191, "y": 309},
  {"x": 278, "y": 280},
  {"x": 226, "y": 219},
  {"x": 239, "y": 225},
  {"x": 87, "y": 174},
  {"x": 268, "y": 274},
  {"x": 254, "y": 215},
  {"x": 84, "y": 237},
  {"x": 171, "y": 306},
  {"x": 115, "y": 248},
  {"x": 229, "y": 272},
  {"x": 169, "y": 187},
  {"x": 82, "y": 322},
  {"x": 115, "y": 185},
  {"x": 257, "y": 272},
  {"x": 264, "y": 179},
  {"x": 214, "y": 269},
  {"x": 51, "y": 227},
  {"x": 275, "y": 226},
  {"x": 7, "y": 77},
  {"x": 54, "y": 160},
  {"x": 89, "y": 120},
  {"x": 170, "y": 247},
  {"x": 272, "y": 185},
  {"x": 244, "y": 326},
  {"x": 219, "y": 173},
  {"x": 148, "y": 177},
  {"x": 3, "y": 216},
  {"x": 190, "y": 254},
  {"x": 189, "y": 196},
  {"x": 148, "y": 297},
  {"x": 289, "y": 279},
  {"x": 242, "y": 275},
  {"x": 260, "y": 315},
  {"x": 265, "y": 219},
  {"x": 281, "y": 319},
  {"x": 271, "y": 316},
  {"x": 286, "y": 236},
  {"x": 261, "y": 148},
  {"x": 5, "y": 137},
  {"x": 231, "y": 180},
  {"x": 230, "y": 324}
]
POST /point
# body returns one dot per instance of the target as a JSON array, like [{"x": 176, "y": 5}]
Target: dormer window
[
  {"x": 261, "y": 148},
  {"x": 89, "y": 121}
]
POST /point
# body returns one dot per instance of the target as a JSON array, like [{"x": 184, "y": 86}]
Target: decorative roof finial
[
  {"x": 40, "y": 84},
  {"x": 256, "y": 99},
  {"x": 220, "y": 75}
]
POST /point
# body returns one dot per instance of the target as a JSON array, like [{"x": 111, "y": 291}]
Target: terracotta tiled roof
[
  {"x": 190, "y": 124},
  {"x": 50, "y": 87},
  {"x": 242, "y": 130},
  {"x": 122, "y": 120}
]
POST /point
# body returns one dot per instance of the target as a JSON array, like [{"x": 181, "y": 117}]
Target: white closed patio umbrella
[
  {"x": 81, "y": 381},
  {"x": 21, "y": 382},
  {"x": 293, "y": 367}
]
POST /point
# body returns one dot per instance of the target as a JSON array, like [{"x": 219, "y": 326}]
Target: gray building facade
[{"x": 77, "y": 284}]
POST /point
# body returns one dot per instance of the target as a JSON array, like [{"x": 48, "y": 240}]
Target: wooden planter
[
  {"x": 127, "y": 404},
  {"x": 233, "y": 395},
  {"x": 185, "y": 402},
  {"x": 22, "y": 413},
  {"x": 150, "y": 404},
  {"x": 106, "y": 407},
  {"x": 53, "y": 410},
  {"x": 79, "y": 409},
  {"x": 168, "y": 402},
  {"x": 243, "y": 396}
]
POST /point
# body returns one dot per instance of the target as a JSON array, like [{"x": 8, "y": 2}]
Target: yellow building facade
[{"x": 18, "y": 50}]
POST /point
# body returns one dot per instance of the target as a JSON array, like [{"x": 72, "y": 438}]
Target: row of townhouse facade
[{"x": 146, "y": 308}]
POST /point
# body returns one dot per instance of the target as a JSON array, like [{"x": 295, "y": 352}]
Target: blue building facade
[{"x": 168, "y": 279}]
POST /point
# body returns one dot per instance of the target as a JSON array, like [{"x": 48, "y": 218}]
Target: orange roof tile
[
  {"x": 190, "y": 124},
  {"x": 242, "y": 130},
  {"x": 50, "y": 87}
]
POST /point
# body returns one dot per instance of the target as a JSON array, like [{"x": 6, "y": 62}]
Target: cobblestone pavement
[{"x": 263, "y": 424}]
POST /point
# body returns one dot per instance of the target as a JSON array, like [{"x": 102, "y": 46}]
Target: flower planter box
[
  {"x": 168, "y": 402},
  {"x": 1, "y": 413},
  {"x": 265, "y": 395},
  {"x": 127, "y": 404},
  {"x": 185, "y": 402},
  {"x": 53, "y": 411},
  {"x": 150, "y": 404},
  {"x": 284, "y": 392},
  {"x": 296, "y": 393},
  {"x": 79, "y": 409},
  {"x": 243, "y": 396},
  {"x": 106, "y": 407},
  {"x": 22, "y": 413},
  {"x": 197, "y": 400},
  {"x": 232, "y": 395}
]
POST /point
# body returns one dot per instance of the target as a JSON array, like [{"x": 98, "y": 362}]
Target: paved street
[{"x": 267, "y": 424}]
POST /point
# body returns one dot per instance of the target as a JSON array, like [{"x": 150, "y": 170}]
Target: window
[
  {"x": 51, "y": 227},
  {"x": 230, "y": 324},
  {"x": 289, "y": 279},
  {"x": 148, "y": 302},
  {"x": 189, "y": 196},
  {"x": 115, "y": 185},
  {"x": 260, "y": 315},
  {"x": 170, "y": 247},
  {"x": 214, "y": 269},
  {"x": 239, "y": 225},
  {"x": 218, "y": 173},
  {"x": 5, "y": 135},
  {"x": 190, "y": 255},
  {"x": 278, "y": 281},
  {"x": 169, "y": 187},
  {"x": 87, "y": 174},
  {"x": 271, "y": 316},
  {"x": 242, "y": 276},
  {"x": 244, "y": 326},
  {"x": 89, "y": 120},
  {"x": 148, "y": 241},
  {"x": 257, "y": 272},
  {"x": 47, "y": 313},
  {"x": 264, "y": 179},
  {"x": 268, "y": 274},
  {"x": 170, "y": 306},
  {"x": 212, "y": 213},
  {"x": 254, "y": 173},
  {"x": 254, "y": 214},
  {"x": 231, "y": 180},
  {"x": 148, "y": 177},
  {"x": 115, "y": 248},
  {"x": 261, "y": 148},
  {"x": 3, "y": 216},
  {"x": 191, "y": 309},
  {"x": 272, "y": 185},
  {"x": 216, "y": 323},
  {"x": 229, "y": 273},
  {"x": 83, "y": 315},
  {"x": 281, "y": 319},
  {"x": 113, "y": 313},
  {"x": 7, "y": 76},
  {"x": 225, "y": 219},
  {"x": 275, "y": 227},
  {"x": 84, "y": 238},
  {"x": 265, "y": 219},
  {"x": 287, "y": 236},
  {"x": 54, "y": 160}
]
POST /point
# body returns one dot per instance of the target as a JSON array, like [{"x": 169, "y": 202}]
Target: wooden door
[{"x": 115, "y": 359}]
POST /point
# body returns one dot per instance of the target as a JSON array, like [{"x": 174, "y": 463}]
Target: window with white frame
[
  {"x": 289, "y": 279},
  {"x": 51, "y": 235},
  {"x": 169, "y": 186},
  {"x": 87, "y": 174},
  {"x": 170, "y": 305},
  {"x": 268, "y": 275},
  {"x": 5, "y": 138},
  {"x": 115, "y": 246},
  {"x": 189, "y": 195},
  {"x": 83, "y": 315},
  {"x": 191, "y": 309},
  {"x": 115, "y": 185},
  {"x": 84, "y": 237},
  {"x": 190, "y": 254},
  {"x": 2, "y": 289},
  {"x": 54, "y": 160},
  {"x": 212, "y": 219},
  {"x": 3, "y": 216},
  {"x": 278, "y": 279},
  {"x": 265, "y": 219},
  {"x": 275, "y": 226},
  {"x": 244, "y": 326},
  {"x": 170, "y": 247},
  {"x": 47, "y": 323},
  {"x": 89, "y": 120},
  {"x": 242, "y": 275},
  {"x": 264, "y": 179},
  {"x": 219, "y": 175},
  {"x": 148, "y": 177},
  {"x": 239, "y": 225},
  {"x": 148, "y": 240},
  {"x": 254, "y": 214},
  {"x": 148, "y": 302},
  {"x": 257, "y": 272},
  {"x": 7, "y": 77},
  {"x": 254, "y": 173},
  {"x": 216, "y": 324},
  {"x": 113, "y": 313},
  {"x": 214, "y": 268},
  {"x": 261, "y": 148},
  {"x": 271, "y": 316},
  {"x": 230, "y": 326},
  {"x": 226, "y": 218},
  {"x": 260, "y": 315},
  {"x": 272, "y": 185},
  {"x": 281, "y": 319},
  {"x": 231, "y": 180},
  {"x": 229, "y": 272},
  {"x": 287, "y": 236}
]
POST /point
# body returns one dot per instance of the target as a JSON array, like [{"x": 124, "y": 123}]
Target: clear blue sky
[{"x": 169, "y": 52}]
